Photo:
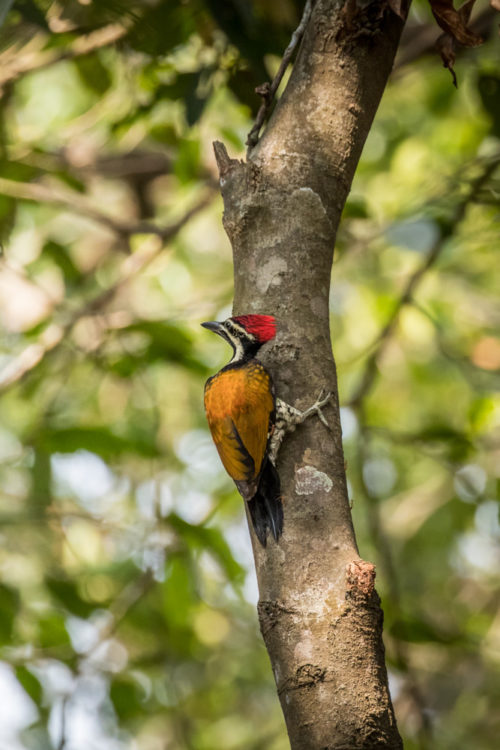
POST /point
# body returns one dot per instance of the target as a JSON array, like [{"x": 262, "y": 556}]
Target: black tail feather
[{"x": 266, "y": 509}]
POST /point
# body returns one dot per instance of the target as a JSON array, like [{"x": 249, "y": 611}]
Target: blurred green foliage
[{"x": 127, "y": 591}]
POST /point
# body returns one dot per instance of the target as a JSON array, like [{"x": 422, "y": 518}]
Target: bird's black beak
[{"x": 213, "y": 325}]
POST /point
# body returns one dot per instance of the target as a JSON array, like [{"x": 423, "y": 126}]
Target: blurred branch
[
  {"x": 268, "y": 90},
  {"x": 54, "y": 335},
  {"x": 383, "y": 548},
  {"x": 80, "y": 205},
  {"x": 447, "y": 230},
  {"x": 62, "y": 739},
  {"x": 14, "y": 65},
  {"x": 127, "y": 599},
  {"x": 357, "y": 403},
  {"x": 50, "y": 514},
  {"x": 476, "y": 376},
  {"x": 128, "y": 165}
]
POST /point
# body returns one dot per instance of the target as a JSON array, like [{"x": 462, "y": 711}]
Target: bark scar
[
  {"x": 270, "y": 613},
  {"x": 305, "y": 676}
]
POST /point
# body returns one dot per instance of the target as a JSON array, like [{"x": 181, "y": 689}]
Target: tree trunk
[{"x": 319, "y": 613}]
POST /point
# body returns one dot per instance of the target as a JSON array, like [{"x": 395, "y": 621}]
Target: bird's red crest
[{"x": 263, "y": 327}]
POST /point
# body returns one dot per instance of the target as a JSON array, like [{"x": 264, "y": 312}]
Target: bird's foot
[{"x": 316, "y": 408}]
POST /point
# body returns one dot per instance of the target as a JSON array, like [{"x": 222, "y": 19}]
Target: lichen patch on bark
[{"x": 309, "y": 480}]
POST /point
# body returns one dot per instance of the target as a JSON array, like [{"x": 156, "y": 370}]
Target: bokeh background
[{"x": 127, "y": 594}]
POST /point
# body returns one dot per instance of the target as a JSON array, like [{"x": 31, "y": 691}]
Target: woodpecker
[{"x": 248, "y": 422}]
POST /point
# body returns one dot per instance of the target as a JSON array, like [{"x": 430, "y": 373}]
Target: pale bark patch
[
  {"x": 270, "y": 274},
  {"x": 305, "y": 647},
  {"x": 309, "y": 480}
]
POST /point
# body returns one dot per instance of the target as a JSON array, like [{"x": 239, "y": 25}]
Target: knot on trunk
[
  {"x": 309, "y": 674},
  {"x": 224, "y": 162},
  {"x": 360, "y": 579}
]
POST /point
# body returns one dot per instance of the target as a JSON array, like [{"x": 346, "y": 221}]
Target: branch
[
  {"x": 54, "y": 335},
  {"x": 318, "y": 611},
  {"x": 268, "y": 90},
  {"x": 123, "y": 604},
  {"x": 135, "y": 165},
  {"x": 13, "y": 66},
  {"x": 357, "y": 402},
  {"x": 62, "y": 737},
  {"x": 79, "y": 204},
  {"x": 474, "y": 375},
  {"x": 383, "y": 548},
  {"x": 414, "y": 281}
]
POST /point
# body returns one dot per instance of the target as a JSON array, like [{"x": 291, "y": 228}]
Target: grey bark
[{"x": 318, "y": 610}]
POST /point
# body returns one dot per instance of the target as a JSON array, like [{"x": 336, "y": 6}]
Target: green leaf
[
  {"x": 17, "y": 170},
  {"x": 99, "y": 439},
  {"x": 355, "y": 208},
  {"x": 8, "y": 207},
  {"x": 9, "y": 606},
  {"x": 254, "y": 30},
  {"x": 183, "y": 85},
  {"x": 127, "y": 698},
  {"x": 163, "y": 26},
  {"x": 212, "y": 540},
  {"x": 69, "y": 179},
  {"x": 167, "y": 343},
  {"x": 187, "y": 163},
  {"x": 168, "y": 340},
  {"x": 66, "y": 592},
  {"x": 489, "y": 90},
  {"x": 419, "y": 631},
  {"x": 164, "y": 133},
  {"x": 30, "y": 684},
  {"x": 93, "y": 73},
  {"x": 60, "y": 256},
  {"x": 186, "y": 88},
  {"x": 456, "y": 443},
  {"x": 232, "y": 137},
  {"x": 178, "y": 591},
  {"x": 32, "y": 13},
  {"x": 52, "y": 631},
  {"x": 195, "y": 105},
  {"x": 41, "y": 479},
  {"x": 242, "y": 83}
]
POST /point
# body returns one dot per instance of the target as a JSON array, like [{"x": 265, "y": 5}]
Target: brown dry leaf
[
  {"x": 465, "y": 10},
  {"x": 400, "y": 7},
  {"x": 446, "y": 46},
  {"x": 455, "y": 22}
]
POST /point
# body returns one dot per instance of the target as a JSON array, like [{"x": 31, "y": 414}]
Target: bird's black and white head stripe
[
  {"x": 242, "y": 341},
  {"x": 245, "y": 342}
]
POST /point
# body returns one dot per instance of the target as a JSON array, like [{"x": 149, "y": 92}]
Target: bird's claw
[
  {"x": 320, "y": 402},
  {"x": 323, "y": 401}
]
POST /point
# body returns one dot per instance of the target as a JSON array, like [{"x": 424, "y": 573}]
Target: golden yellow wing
[{"x": 239, "y": 403}]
